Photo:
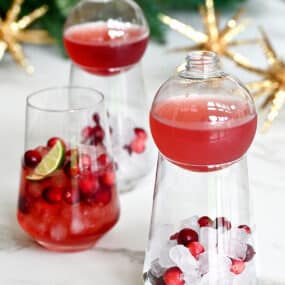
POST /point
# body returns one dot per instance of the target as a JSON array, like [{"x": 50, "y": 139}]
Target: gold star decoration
[
  {"x": 272, "y": 85},
  {"x": 13, "y": 32},
  {"x": 214, "y": 39}
]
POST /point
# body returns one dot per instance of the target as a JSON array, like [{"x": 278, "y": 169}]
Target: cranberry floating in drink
[
  {"x": 68, "y": 196},
  {"x": 203, "y": 122},
  {"x": 106, "y": 41}
]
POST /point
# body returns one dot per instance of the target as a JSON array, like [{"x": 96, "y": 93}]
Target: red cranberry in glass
[
  {"x": 103, "y": 196},
  {"x": 237, "y": 267},
  {"x": 186, "y": 236},
  {"x": 140, "y": 133},
  {"x": 102, "y": 159},
  {"x": 88, "y": 183},
  {"x": 99, "y": 133},
  {"x": 71, "y": 196},
  {"x": 222, "y": 222},
  {"x": 96, "y": 118},
  {"x": 52, "y": 141},
  {"x": 205, "y": 221},
  {"x": 250, "y": 253},
  {"x": 24, "y": 204},
  {"x": 32, "y": 158},
  {"x": 173, "y": 276},
  {"x": 87, "y": 132},
  {"x": 43, "y": 150},
  {"x": 85, "y": 162},
  {"x": 196, "y": 248},
  {"x": 108, "y": 178},
  {"x": 138, "y": 145},
  {"x": 246, "y": 228},
  {"x": 71, "y": 170},
  {"x": 52, "y": 195}
]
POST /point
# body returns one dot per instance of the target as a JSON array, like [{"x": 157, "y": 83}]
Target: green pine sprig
[{"x": 53, "y": 21}]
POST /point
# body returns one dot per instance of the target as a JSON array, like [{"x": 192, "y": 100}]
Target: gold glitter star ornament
[
  {"x": 272, "y": 84},
  {"x": 213, "y": 39},
  {"x": 13, "y": 32}
]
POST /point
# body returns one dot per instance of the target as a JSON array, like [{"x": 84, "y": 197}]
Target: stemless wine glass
[
  {"x": 105, "y": 41},
  {"x": 68, "y": 197}
]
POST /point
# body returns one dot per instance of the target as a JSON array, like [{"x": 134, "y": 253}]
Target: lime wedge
[{"x": 49, "y": 163}]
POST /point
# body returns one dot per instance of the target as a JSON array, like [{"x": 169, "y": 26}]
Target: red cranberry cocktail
[{"x": 68, "y": 197}]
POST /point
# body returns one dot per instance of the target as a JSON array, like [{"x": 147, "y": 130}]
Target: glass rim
[{"x": 29, "y": 98}]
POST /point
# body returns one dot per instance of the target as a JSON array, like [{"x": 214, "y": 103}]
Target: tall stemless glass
[{"x": 68, "y": 197}]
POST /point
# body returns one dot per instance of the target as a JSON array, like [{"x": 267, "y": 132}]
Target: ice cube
[
  {"x": 164, "y": 256},
  {"x": 204, "y": 262},
  {"x": 214, "y": 279},
  {"x": 191, "y": 223},
  {"x": 240, "y": 234},
  {"x": 208, "y": 237},
  {"x": 58, "y": 232},
  {"x": 192, "y": 279},
  {"x": 183, "y": 259},
  {"x": 156, "y": 269},
  {"x": 235, "y": 249},
  {"x": 215, "y": 263},
  {"x": 77, "y": 225}
]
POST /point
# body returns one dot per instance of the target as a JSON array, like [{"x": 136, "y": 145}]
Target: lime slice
[{"x": 49, "y": 163}]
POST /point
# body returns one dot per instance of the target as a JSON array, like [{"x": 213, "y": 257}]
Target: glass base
[{"x": 65, "y": 248}]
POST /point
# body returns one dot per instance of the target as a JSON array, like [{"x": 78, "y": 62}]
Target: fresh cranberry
[
  {"x": 87, "y": 132},
  {"x": 96, "y": 118},
  {"x": 99, "y": 133},
  {"x": 103, "y": 159},
  {"x": 43, "y": 150},
  {"x": 174, "y": 236},
  {"x": 71, "y": 171},
  {"x": 52, "y": 195},
  {"x": 173, "y": 276},
  {"x": 108, "y": 178},
  {"x": 71, "y": 196},
  {"x": 52, "y": 141},
  {"x": 85, "y": 161},
  {"x": 138, "y": 145},
  {"x": 205, "y": 221},
  {"x": 246, "y": 228},
  {"x": 196, "y": 248},
  {"x": 186, "y": 236},
  {"x": 111, "y": 130},
  {"x": 222, "y": 223},
  {"x": 250, "y": 253},
  {"x": 88, "y": 183},
  {"x": 140, "y": 133},
  {"x": 32, "y": 158},
  {"x": 103, "y": 196},
  {"x": 128, "y": 149},
  {"x": 237, "y": 267},
  {"x": 24, "y": 204}
]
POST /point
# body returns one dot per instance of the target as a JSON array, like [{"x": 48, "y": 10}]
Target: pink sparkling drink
[
  {"x": 218, "y": 131},
  {"x": 103, "y": 48}
]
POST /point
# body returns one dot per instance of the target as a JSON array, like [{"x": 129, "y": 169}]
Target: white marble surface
[{"x": 118, "y": 257}]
